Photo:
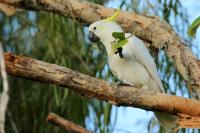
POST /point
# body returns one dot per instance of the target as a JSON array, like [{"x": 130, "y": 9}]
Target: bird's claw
[{"x": 120, "y": 83}]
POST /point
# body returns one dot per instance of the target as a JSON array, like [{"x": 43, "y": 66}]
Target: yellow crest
[{"x": 113, "y": 17}]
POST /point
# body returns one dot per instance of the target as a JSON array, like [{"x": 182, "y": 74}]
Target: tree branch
[
  {"x": 4, "y": 97},
  {"x": 65, "y": 124},
  {"x": 160, "y": 36},
  {"x": 91, "y": 87},
  {"x": 186, "y": 121}
]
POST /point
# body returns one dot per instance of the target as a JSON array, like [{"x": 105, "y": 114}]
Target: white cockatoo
[{"x": 132, "y": 64}]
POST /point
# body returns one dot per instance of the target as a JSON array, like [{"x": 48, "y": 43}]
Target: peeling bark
[
  {"x": 149, "y": 28},
  {"x": 186, "y": 121},
  {"x": 91, "y": 87}
]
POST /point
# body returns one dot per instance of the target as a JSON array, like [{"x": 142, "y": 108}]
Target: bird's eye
[{"x": 95, "y": 28}]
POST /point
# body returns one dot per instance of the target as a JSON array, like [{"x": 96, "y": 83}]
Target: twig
[
  {"x": 4, "y": 97},
  {"x": 65, "y": 124}
]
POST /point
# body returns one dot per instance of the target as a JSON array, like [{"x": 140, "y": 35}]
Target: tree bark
[
  {"x": 65, "y": 124},
  {"x": 91, "y": 87},
  {"x": 149, "y": 28}
]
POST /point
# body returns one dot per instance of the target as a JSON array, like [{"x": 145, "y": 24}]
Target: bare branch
[
  {"x": 65, "y": 124},
  {"x": 90, "y": 87},
  {"x": 7, "y": 9},
  {"x": 4, "y": 97}
]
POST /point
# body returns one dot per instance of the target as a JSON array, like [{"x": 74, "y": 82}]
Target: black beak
[{"x": 92, "y": 37}]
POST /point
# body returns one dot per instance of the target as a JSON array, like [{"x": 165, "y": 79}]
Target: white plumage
[
  {"x": 137, "y": 66},
  {"x": 137, "y": 60}
]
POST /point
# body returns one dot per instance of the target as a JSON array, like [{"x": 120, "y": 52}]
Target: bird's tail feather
[{"x": 168, "y": 121}]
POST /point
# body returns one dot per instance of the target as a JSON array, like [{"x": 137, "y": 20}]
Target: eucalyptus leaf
[
  {"x": 119, "y": 43},
  {"x": 119, "y": 35},
  {"x": 193, "y": 27}
]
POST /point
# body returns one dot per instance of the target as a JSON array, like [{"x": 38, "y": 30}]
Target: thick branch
[
  {"x": 90, "y": 87},
  {"x": 65, "y": 124},
  {"x": 151, "y": 29}
]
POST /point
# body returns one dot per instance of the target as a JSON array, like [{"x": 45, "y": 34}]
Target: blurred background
[{"x": 56, "y": 39}]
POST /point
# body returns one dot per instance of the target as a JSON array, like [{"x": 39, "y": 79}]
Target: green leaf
[
  {"x": 119, "y": 35},
  {"x": 107, "y": 113},
  {"x": 193, "y": 27},
  {"x": 119, "y": 44},
  {"x": 56, "y": 96}
]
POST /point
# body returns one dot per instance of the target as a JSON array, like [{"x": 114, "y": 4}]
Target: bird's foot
[
  {"x": 139, "y": 86},
  {"x": 120, "y": 83}
]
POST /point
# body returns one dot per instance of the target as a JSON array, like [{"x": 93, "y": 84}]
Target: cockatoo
[{"x": 132, "y": 64}]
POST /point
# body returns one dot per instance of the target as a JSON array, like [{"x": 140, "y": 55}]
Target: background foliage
[{"x": 56, "y": 39}]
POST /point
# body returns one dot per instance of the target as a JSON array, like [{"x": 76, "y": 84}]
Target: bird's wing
[{"x": 143, "y": 56}]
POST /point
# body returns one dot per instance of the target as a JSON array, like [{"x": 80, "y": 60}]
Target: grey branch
[{"x": 4, "y": 97}]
